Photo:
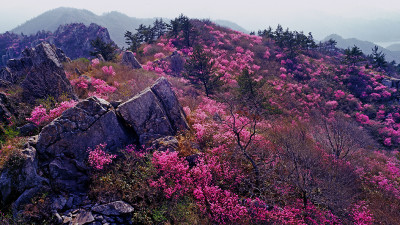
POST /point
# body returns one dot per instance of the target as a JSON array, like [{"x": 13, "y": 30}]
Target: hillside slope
[{"x": 280, "y": 130}]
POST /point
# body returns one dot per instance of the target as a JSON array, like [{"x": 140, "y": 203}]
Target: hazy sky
[{"x": 307, "y": 15}]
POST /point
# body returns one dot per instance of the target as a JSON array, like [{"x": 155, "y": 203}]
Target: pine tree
[
  {"x": 159, "y": 27},
  {"x": 353, "y": 55},
  {"x": 107, "y": 50},
  {"x": 379, "y": 58},
  {"x": 132, "y": 40},
  {"x": 200, "y": 72},
  {"x": 183, "y": 24},
  {"x": 249, "y": 89}
]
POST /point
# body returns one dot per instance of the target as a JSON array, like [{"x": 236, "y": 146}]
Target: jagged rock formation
[
  {"x": 56, "y": 158},
  {"x": 154, "y": 113},
  {"x": 40, "y": 73},
  {"x": 129, "y": 59},
  {"x": 63, "y": 143},
  {"x": 74, "y": 39}
]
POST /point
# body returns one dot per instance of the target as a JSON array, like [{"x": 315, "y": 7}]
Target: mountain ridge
[
  {"x": 365, "y": 46},
  {"x": 116, "y": 22}
]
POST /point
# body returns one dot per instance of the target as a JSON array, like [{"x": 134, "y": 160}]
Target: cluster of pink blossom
[
  {"x": 159, "y": 55},
  {"x": 98, "y": 158},
  {"x": 108, "y": 70},
  {"x": 361, "y": 214},
  {"x": 102, "y": 89},
  {"x": 331, "y": 104},
  {"x": 382, "y": 171},
  {"x": 41, "y": 117},
  {"x": 339, "y": 94},
  {"x": 80, "y": 82},
  {"x": 363, "y": 119},
  {"x": 95, "y": 62}
]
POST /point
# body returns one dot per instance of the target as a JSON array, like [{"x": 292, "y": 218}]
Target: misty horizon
[{"x": 321, "y": 19}]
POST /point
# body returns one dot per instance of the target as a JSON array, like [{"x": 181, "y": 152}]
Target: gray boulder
[
  {"x": 113, "y": 209},
  {"x": 83, "y": 217},
  {"x": 63, "y": 144},
  {"x": 154, "y": 113},
  {"x": 146, "y": 116},
  {"x": 15, "y": 71},
  {"x": 46, "y": 76},
  {"x": 40, "y": 73},
  {"x": 129, "y": 59},
  {"x": 163, "y": 90}
]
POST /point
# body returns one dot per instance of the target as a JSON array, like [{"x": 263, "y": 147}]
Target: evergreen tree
[
  {"x": 200, "y": 72},
  {"x": 353, "y": 55},
  {"x": 132, "y": 40},
  {"x": 183, "y": 24},
  {"x": 159, "y": 27},
  {"x": 107, "y": 50},
  {"x": 379, "y": 58},
  {"x": 249, "y": 89}
]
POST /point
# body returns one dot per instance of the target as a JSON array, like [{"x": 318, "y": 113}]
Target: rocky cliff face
[
  {"x": 56, "y": 158},
  {"x": 39, "y": 72},
  {"x": 74, "y": 39}
]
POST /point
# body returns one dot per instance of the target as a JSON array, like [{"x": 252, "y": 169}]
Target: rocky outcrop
[
  {"x": 118, "y": 212},
  {"x": 74, "y": 39},
  {"x": 154, "y": 113},
  {"x": 145, "y": 114},
  {"x": 63, "y": 143},
  {"x": 40, "y": 73},
  {"x": 55, "y": 160},
  {"x": 129, "y": 59},
  {"x": 163, "y": 90},
  {"x": 175, "y": 61},
  {"x": 46, "y": 76},
  {"x": 15, "y": 71}
]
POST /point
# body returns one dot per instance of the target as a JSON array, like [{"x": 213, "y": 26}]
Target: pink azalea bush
[
  {"x": 361, "y": 214},
  {"x": 95, "y": 62},
  {"x": 41, "y": 116},
  {"x": 108, "y": 70},
  {"x": 98, "y": 158}
]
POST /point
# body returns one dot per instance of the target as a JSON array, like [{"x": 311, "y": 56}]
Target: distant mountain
[
  {"x": 117, "y": 23},
  {"x": 231, "y": 25},
  {"x": 394, "y": 47},
  {"x": 365, "y": 46}
]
